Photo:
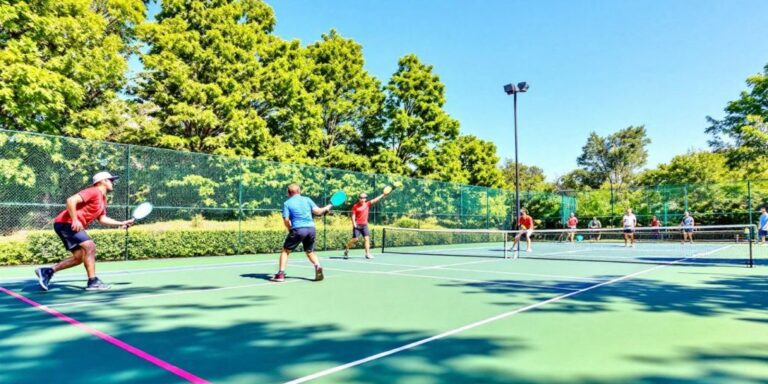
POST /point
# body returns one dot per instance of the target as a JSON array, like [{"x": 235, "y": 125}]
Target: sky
[{"x": 592, "y": 65}]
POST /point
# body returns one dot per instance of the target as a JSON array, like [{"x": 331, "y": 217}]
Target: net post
[
  {"x": 750, "y": 263},
  {"x": 506, "y": 237},
  {"x": 383, "y": 238}
]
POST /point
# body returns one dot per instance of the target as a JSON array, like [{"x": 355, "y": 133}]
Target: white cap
[{"x": 103, "y": 176}]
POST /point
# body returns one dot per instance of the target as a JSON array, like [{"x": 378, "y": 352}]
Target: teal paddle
[{"x": 338, "y": 198}]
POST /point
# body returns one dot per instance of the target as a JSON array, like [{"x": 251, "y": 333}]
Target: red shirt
[
  {"x": 654, "y": 223},
  {"x": 360, "y": 212},
  {"x": 94, "y": 205},
  {"x": 572, "y": 221},
  {"x": 527, "y": 221}
]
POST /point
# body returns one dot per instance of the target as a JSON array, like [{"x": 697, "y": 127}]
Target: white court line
[
  {"x": 154, "y": 295},
  {"x": 144, "y": 271},
  {"x": 483, "y": 322},
  {"x": 575, "y": 278},
  {"x": 553, "y": 287}
]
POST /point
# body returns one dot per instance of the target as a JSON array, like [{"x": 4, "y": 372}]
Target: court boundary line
[
  {"x": 476, "y": 324},
  {"x": 153, "y": 295},
  {"x": 583, "y": 279},
  {"x": 399, "y": 273},
  {"x": 109, "y": 339}
]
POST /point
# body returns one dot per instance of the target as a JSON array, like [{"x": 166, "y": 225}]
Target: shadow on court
[{"x": 36, "y": 345}]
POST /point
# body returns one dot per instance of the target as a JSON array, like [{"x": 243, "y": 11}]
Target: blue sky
[{"x": 592, "y": 65}]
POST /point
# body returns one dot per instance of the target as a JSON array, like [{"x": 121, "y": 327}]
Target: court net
[{"x": 718, "y": 245}]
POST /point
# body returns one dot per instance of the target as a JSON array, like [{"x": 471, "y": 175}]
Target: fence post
[
  {"x": 685, "y": 198},
  {"x": 240, "y": 207},
  {"x": 487, "y": 208},
  {"x": 127, "y": 196},
  {"x": 749, "y": 200},
  {"x": 325, "y": 217}
]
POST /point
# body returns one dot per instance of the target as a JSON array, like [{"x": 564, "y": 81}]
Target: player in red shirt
[
  {"x": 70, "y": 224},
  {"x": 360, "y": 223},
  {"x": 526, "y": 229},
  {"x": 572, "y": 222}
]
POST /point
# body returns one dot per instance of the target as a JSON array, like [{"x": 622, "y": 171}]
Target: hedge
[{"x": 43, "y": 247}]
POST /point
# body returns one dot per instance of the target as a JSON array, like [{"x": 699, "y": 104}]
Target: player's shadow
[{"x": 268, "y": 277}]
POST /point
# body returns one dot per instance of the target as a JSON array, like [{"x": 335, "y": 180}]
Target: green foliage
[
  {"x": 350, "y": 98},
  {"x": 417, "y": 122},
  {"x": 62, "y": 63},
  {"x": 532, "y": 178},
  {"x": 202, "y": 72},
  {"x": 743, "y": 133},
  {"x": 616, "y": 157},
  {"x": 691, "y": 168}
]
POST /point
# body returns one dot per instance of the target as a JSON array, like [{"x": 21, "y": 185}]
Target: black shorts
[
  {"x": 304, "y": 236},
  {"x": 360, "y": 231},
  {"x": 629, "y": 230},
  {"x": 70, "y": 238}
]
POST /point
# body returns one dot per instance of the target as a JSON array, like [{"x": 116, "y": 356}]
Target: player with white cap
[{"x": 70, "y": 224}]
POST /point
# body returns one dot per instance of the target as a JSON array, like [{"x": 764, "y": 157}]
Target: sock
[
  {"x": 92, "y": 279},
  {"x": 317, "y": 266}
]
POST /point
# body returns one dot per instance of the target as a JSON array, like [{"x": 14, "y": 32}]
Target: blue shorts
[
  {"x": 360, "y": 231},
  {"x": 688, "y": 230},
  {"x": 629, "y": 230},
  {"x": 762, "y": 233},
  {"x": 304, "y": 236},
  {"x": 70, "y": 238}
]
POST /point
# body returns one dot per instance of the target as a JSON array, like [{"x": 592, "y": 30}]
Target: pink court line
[{"x": 118, "y": 343}]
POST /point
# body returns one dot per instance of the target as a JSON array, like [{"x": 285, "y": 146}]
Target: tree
[
  {"x": 691, "y": 168},
  {"x": 63, "y": 63},
  {"x": 417, "y": 122},
  {"x": 202, "y": 71},
  {"x": 350, "y": 99},
  {"x": 614, "y": 158},
  {"x": 532, "y": 178},
  {"x": 743, "y": 133}
]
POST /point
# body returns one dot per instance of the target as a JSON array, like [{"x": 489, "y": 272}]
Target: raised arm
[{"x": 377, "y": 198}]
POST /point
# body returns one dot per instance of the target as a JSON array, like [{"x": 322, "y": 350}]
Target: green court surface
[{"x": 400, "y": 318}]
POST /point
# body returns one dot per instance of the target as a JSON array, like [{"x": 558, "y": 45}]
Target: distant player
[
  {"x": 595, "y": 226},
  {"x": 360, "y": 223},
  {"x": 525, "y": 223},
  {"x": 656, "y": 226},
  {"x": 762, "y": 231},
  {"x": 70, "y": 224},
  {"x": 687, "y": 225},
  {"x": 572, "y": 222},
  {"x": 297, "y": 218},
  {"x": 630, "y": 223}
]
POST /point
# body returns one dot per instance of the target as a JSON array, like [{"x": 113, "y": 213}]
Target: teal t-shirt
[{"x": 299, "y": 210}]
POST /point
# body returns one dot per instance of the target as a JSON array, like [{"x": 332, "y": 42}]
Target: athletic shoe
[
  {"x": 346, "y": 253},
  {"x": 280, "y": 276},
  {"x": 319, "y": 274},
  {"x": 369, "y": 256},
  {"x": 96, "y": 285},
  {"x": 44, "y": 276}
]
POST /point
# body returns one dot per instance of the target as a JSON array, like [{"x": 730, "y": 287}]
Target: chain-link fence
[{"x": 212, "y": 205}]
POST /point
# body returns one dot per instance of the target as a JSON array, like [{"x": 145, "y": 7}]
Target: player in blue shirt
[
  {"x": 297, "y": 218},
  {"x": 687, "y": 225},
  {"x": 762, "y": 230}
]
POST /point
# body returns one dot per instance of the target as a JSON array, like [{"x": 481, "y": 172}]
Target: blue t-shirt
[
  {"x": 299, "y": 209},
  {"x": 688, "y": 221},
  {"x": 763, "y": 220}
]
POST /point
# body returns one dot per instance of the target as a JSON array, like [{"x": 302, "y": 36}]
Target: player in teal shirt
[
  {"x": 297, "y": 218},
  {"x": 762, "y": 230}
]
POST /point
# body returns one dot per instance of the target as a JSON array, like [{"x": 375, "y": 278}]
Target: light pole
[{"x": 513, "y": 90}]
